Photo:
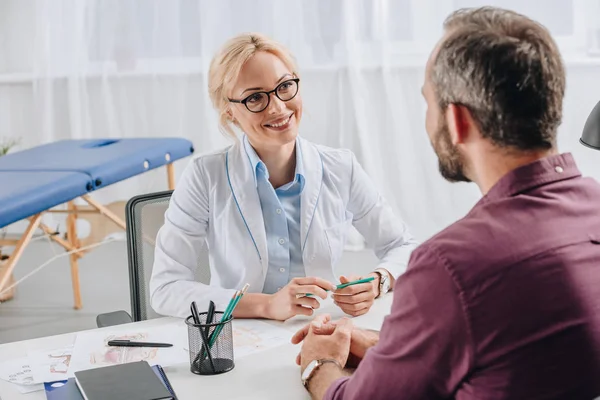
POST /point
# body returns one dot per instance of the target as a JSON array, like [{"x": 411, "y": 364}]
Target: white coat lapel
[
  {"x": 313, "y": 172},
  {"x": 243, "y": 187}
]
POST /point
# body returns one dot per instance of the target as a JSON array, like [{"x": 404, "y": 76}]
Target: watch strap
[
  {"x": 383, "y": 276},
  {"x": 318, "y": 365}
]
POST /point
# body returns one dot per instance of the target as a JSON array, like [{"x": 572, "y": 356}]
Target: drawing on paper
[
  {"x": 253, "y": 336},
  {"x": 50, "y": 365},
  {"x": 110, "y": 355},
  {"x": 247, "y": 337},
  {"x": 59, "y": 361},
  {"x": 91, "y": 349}
]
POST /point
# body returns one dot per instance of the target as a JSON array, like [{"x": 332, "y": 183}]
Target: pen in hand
[{"x": 343, "y": 285}]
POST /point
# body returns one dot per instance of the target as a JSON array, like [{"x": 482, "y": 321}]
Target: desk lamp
[{"x": 591, "y": 131}]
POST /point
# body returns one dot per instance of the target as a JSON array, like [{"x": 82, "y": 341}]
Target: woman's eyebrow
[{"x": 259, "y": 88}]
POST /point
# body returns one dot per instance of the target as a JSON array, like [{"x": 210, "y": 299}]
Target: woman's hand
[
  {"x": 356, "y": 299},
  {"x": 290, "y": 300}
]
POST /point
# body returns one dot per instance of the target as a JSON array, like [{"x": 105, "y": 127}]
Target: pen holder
[{"x": 206, "y": 359}]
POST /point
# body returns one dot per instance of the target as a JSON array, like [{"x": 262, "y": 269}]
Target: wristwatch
[
  {"x": 384, "y": 281},
  {"x": 313, "y": 366}
]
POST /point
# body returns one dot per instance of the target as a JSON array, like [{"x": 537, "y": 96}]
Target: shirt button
[
  {"x": 281, "y": 269},
  {"x": 281, "y": 241},
  {"x": 558, "y": 169},
  {"x": 278, "y": 211}
]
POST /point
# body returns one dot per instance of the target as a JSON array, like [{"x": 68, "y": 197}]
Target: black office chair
[{"x": 144, "y": 216}]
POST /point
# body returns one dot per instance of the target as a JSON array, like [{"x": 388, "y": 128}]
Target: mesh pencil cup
[{"x": 218, "y": 337}]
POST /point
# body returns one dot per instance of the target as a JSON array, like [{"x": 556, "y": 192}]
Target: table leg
[
  {"x": 104, "y": 211},
  {"x": 53, "y": 236},
  {"x": 74, "y": 243},
  {"x": 20, "y": 247},
  {"x": 171, "y": 176}
]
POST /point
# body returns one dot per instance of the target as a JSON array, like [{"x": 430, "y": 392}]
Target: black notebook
[{"x": 130, "y": 381}]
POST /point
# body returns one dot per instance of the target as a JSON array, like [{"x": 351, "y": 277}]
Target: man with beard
[{"x": 504, "y": 303}]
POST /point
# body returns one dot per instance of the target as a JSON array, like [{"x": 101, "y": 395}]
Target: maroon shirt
[{"x": 503, "y": 304}]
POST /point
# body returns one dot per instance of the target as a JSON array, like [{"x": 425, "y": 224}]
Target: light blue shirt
[{"x": 281, "y": 214}]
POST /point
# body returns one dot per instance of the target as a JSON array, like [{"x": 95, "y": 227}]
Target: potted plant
[{"x": 5, "y": 146}]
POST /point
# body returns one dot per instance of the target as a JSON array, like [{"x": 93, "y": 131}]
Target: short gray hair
[{"x": 507, "y": 70}]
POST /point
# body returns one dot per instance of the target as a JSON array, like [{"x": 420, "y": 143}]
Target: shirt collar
[
  {"x": 547, "y": 170},
  {"x": 257, "y": 164}
]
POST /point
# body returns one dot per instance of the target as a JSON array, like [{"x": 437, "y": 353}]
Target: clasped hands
[
  {"x": 338, "y": 340},
  {"x": 354, "y": 300}
]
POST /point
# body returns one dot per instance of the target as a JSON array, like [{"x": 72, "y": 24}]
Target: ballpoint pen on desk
[
  {"x": 130, "y": 343},
  {"x": 343, "y": 285}
]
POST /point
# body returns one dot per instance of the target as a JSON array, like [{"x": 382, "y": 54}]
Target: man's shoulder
[{"x": 466, "y": 244}]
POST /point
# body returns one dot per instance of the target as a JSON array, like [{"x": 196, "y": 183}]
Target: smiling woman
[{"x": 273, "y": 208}]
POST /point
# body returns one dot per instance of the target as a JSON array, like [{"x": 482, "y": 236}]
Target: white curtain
[{"x": 137, "y": 68}]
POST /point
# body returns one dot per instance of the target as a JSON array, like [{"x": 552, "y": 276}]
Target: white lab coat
[{"x": 216, "y": 203}]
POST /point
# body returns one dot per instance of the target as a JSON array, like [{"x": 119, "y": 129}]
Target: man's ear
[{"x": 459, "y": 123}]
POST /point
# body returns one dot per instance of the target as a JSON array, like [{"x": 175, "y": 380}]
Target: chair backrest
[{"x": 145, "y": 216}]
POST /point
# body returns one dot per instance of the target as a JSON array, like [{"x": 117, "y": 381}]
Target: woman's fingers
[
  {"x": 355, "y": 289},
  {"x": 355, "y": 309},
  {"x": 354, "y": 299},
  {"x": 301, "y": 310},
  {"x": 312, "y": 289},
  {"x": 308, "y": 301},
  {"x": 313, "y": 280}
]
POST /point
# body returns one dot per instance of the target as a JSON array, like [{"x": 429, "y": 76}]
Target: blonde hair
[{"x": 227, "y": 64}]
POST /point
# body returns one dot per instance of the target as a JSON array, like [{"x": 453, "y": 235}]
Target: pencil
[{"x": 228, "y": 313}]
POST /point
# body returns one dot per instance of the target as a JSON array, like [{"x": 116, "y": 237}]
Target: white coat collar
[{"x": 240, "y": 175}]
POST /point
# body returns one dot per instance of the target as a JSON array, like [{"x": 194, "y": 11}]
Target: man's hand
[
  {"x": 333, "y": 346},
  {"x": 357, "y": 299},
  {"x": 360, "y": 339}
]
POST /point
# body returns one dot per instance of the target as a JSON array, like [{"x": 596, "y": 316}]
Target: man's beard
[{"x": 450, "y": 161}]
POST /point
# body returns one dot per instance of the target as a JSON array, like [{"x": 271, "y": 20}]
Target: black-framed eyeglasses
[{"x": 259, "y": 101}]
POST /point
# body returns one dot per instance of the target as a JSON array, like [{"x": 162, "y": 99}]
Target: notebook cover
[
  {"x": 129, "y": 381},
  {"x": 62, "y": 390},
  {"x": 165, "y": 380}
]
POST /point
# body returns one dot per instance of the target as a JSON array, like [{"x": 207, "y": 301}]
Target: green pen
[
  {"x": 365, "y": 280},
  {"x": 343, "y": 285}
]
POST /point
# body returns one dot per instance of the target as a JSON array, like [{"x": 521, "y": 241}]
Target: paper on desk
[
  {"x": 30, "y": 388},
  {"x": 92, "y": 351},
  {"x": 252, "y": 336},
  {"x": 50, "y": 365},
  {"x": 17, "y": 371}
]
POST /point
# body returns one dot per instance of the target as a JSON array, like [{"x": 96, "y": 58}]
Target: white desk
[{"x": 272, "y": 374}]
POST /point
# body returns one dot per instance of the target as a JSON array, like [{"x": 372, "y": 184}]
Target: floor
[{"x": 43, "y": 304}]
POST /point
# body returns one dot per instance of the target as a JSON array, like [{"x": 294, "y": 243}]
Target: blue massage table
[{"x": 34, "y": 181}]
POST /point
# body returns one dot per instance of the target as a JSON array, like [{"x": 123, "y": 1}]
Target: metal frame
[{"x": 132, "y": 246}]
